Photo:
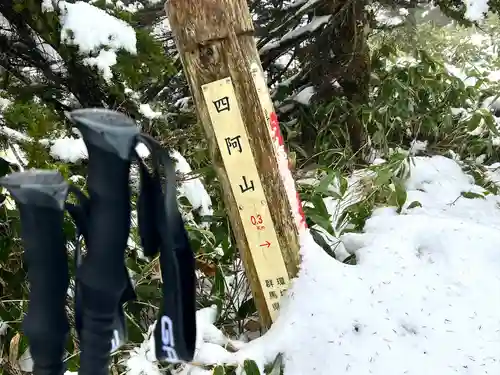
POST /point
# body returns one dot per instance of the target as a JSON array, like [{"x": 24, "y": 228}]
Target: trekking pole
[
  {"x": 102, "y": 278},
  {"x": 110, "y": 138},
  {"x": 39, "y": 197},
  {"x": 103, "y": 219}
]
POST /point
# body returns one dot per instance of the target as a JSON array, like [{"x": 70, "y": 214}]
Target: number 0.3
[{"x": 256, "y": 220}]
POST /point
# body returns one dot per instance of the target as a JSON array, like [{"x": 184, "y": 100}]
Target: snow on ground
[
  {"x": 423, "y": 298},
  {"x": 209, "y": 341}
]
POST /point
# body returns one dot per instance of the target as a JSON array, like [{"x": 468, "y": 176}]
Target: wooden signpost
[{"x": 221, "y": 63}]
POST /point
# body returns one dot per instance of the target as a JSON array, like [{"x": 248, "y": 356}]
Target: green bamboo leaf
[{"x": 250, "y": 367}]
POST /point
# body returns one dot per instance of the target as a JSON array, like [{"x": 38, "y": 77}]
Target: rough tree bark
[{"x": 215, "y": 40}]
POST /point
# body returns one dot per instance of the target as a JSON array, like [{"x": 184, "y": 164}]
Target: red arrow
[{"x": 267, "y": 243}]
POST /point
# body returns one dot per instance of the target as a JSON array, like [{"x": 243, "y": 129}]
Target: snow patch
[
  {"x": 305, "y": 95},
  {"x": 209, "y": 348},
  {"x": 95, "y": 32},
  {"x": 312, "y": 26},
  {"x": 476, "y": 9},
  {"x": 422, "y": 297},
  {"x": 418, "y": 146},
  {"x": 68, "y": 149},
  {"x": 103, "y": 61},
  {"x": 146, "y": 110},
  {"x": 193, "y": 188},
  {"x": 47, "y": 6}
]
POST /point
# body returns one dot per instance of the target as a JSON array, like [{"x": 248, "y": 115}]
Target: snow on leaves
[{"x": 95, "y": 32}]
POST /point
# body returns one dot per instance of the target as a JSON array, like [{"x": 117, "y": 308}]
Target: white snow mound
[{"x": 423, "y": 298}]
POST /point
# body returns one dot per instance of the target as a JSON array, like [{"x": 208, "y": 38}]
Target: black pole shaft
[
  {"x": 102, "y": 276},
  {"x": 46, "y": 324}
]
